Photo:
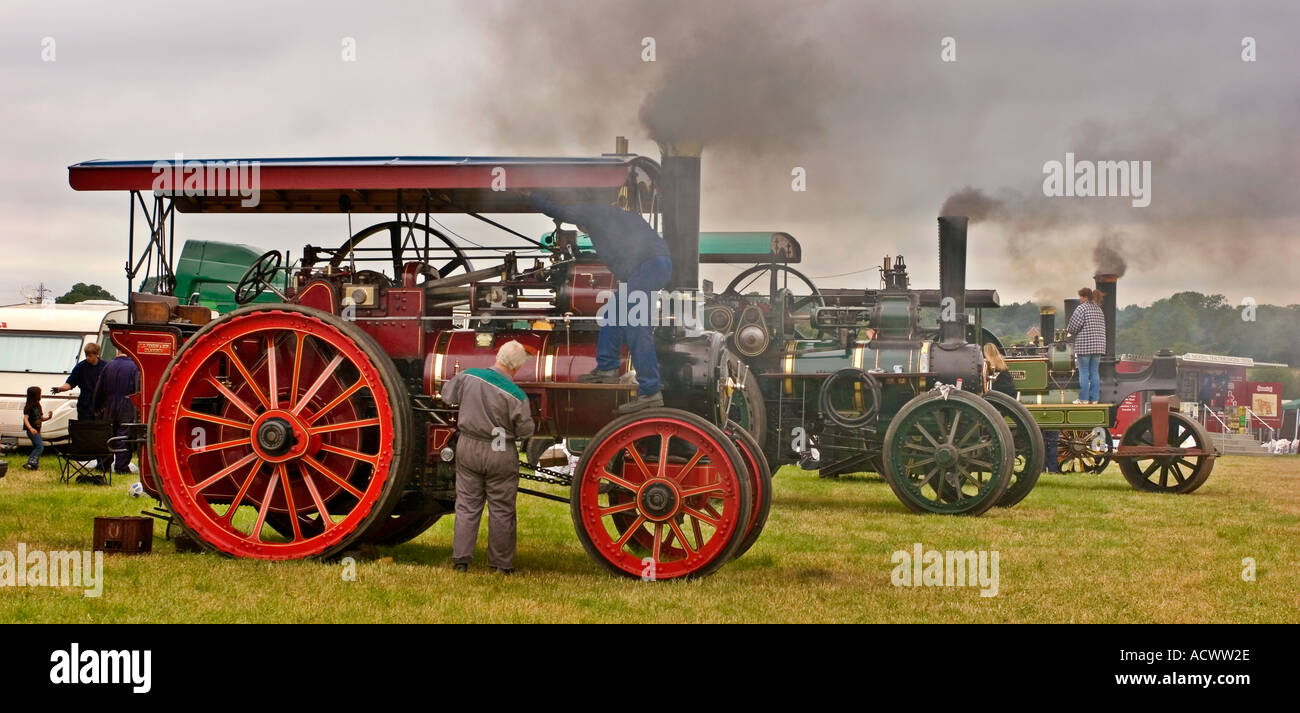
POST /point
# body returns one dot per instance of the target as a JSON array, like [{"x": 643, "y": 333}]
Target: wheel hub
[
  {"x": 275, "y": 436},
  {"x": 278, "y": 436},
  {"x": 945, "y": 456},
  {"x": 658, "y": 500}
]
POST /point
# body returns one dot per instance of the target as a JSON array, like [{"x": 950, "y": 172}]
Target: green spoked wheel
[
  {"x": 746, "y": 407},
  {"x": 1172, "y": 473},
  {"x": 1031, "y": 452},
  {"x": 948, "y": 454}
]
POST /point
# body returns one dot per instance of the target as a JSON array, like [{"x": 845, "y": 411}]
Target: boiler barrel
[{"x": 554, "y": 358}]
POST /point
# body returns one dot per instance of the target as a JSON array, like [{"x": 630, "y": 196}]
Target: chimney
[
  {"x": 1071, "y": 304},
  {"x": 1047, "y": 324},
  {"x": 681, "y": 213},
  {"x": 1105, "y": 284},
  {"x": 952, "y": 278}
]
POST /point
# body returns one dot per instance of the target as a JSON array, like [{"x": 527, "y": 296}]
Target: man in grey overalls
[{"x": 493, "y": 414}]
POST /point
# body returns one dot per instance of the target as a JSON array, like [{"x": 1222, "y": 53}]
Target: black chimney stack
[
  {"x": 952, "y": 278},
  {"x": 1047, "y": 324},
  {"x": 1071, "y": 304},
  {"x": 1106, "y": 285},
  {"x": 681, "y": 214}
]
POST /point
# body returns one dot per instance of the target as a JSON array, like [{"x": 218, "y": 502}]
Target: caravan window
[{"x": 39, "y": 353}]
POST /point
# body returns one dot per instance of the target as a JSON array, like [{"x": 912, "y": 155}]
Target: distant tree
[{"x": 81, "y": 292}]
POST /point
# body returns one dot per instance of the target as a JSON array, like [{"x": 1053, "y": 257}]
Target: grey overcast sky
[{"x": 855, "y": 93}]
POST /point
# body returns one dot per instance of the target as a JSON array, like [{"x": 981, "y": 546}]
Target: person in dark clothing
[
  {"x": 33, "y": 417},
  {"x": 1051, "y": 443},
  {"x": 112, "y": 402},
  {"x": 85, "y": 375},
  {"x": 996, "y": 375},
  {"x": 639, "y": 259}
]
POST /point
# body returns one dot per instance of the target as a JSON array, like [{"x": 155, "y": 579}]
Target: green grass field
[{"x": 1078, "y": 549}]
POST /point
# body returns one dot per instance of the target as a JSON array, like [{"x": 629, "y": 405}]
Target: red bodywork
[{"x": 399, "y": 320}]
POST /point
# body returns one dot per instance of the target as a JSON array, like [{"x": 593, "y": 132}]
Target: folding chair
[{"x": 87, "y": 441}]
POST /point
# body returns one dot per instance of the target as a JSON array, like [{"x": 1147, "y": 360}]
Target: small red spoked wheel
[
  {"x": 280, "y": 432},
  {"x": 760, "y": 481},
  {"x": 661, "y": 494}
]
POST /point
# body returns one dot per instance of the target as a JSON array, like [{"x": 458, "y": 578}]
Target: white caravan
[{"x": 39, "y": 345}]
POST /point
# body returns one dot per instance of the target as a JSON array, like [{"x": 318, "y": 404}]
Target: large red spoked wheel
[
  {"x": 661, "y": 494},
  {"x": 280, "y": 418}
]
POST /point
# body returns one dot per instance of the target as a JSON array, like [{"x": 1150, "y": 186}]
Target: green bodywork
[
  {"x": 212, "y": 269},
  {"x": 1030, "y": 375},
  {"x": 1055, "y": 417}
]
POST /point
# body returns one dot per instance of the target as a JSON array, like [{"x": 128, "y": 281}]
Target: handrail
[
  {"x": 1272, "y": 431},
  {"x": 1223, "y": 426}
]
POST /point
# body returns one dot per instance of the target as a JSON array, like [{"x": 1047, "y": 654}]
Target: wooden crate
[{"x": 127, "y": 535}]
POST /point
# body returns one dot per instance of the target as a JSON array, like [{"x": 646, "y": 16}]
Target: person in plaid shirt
[{"x": 1088, "y": 327}]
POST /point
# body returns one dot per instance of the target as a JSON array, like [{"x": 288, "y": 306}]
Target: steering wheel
[{"x": 258, "y": 277}]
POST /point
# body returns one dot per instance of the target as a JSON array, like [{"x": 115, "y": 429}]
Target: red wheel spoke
[
  {"x": 187, "y": 413},
  {"x": 326, "y": 520},
  {"x": 272, "y": 382},
  {"x": 686, "y": 469},
  {"x": 300, "y": 342},
  {"x": 347, "y": 393},
  {"x": 243, "y": 491},
  {"x": 664, "y": 438},
  {"x": 618, "y": 481},
  {"x": 640, "y": 463},
  {"x": 636, "y": 525},
  {"x": 710, "y": 488},
  {"x": 224, "y": 473},
  {"x": 248, "y": 377},
  {"x": 320, "y": 468},
  {"x": 288, "y": 500},
  {"x": 325, "y": 374},
  {"x": 224, "y": 445},
  {"x": 345, "y": 426},
  {"x": 699, "y": 534},
  {"x": 677, "y": 531},
  {"x": 349, "y": 453},
  {"x": 714, "y": 521},
  {"x": 659, "y": 538},
  {"x": 606, "y": 512},
  {"x": 266, "y": 508},
  {"x": 232, "y": 398}
]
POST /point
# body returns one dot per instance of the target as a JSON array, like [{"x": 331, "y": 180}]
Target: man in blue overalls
[
  {"x": 637, "y": 257},
  {"x": 120, "y": 381}
]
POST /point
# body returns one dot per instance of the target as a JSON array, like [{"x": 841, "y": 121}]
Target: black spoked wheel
[{"x": 1172, "y": 473}]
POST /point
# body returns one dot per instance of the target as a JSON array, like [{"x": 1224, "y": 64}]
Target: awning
[{"x": 442, "y": 184}]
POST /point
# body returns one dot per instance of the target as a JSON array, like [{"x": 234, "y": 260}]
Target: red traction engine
[{"x": 310, "y": 426}]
